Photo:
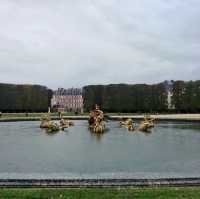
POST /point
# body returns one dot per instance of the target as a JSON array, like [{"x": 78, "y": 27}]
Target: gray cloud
[{"x": 73, "y": 43}]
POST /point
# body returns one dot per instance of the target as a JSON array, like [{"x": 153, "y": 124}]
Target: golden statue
[
  {"x": 147, "y": 123},
  {"x": 95, "y": 121},
  {"x": 65, "y": 123},
  {"x": 128, "y": 123},
  {"x": 52, "y": 126}
]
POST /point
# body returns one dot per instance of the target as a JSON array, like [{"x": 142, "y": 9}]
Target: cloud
[{"x": 74, "y": 43}]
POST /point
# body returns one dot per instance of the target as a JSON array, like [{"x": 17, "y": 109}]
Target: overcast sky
[{"x": 72, "y": 43}]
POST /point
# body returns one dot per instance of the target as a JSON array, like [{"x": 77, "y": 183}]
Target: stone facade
[{"x": 70, "y": 100}]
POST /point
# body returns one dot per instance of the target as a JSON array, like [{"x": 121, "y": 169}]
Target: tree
[
  {"x": 15, "y": 98},
  {"x": 126, "y": 98}
]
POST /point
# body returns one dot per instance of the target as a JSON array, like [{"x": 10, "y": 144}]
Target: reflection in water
[
  {"x": 180, "y": 126},
  {"x": 147, "y": 133},
  {"x": 97, "y": 136},
  {"x": 50, "y": 133},
  {"x": 194, "y": 127}
]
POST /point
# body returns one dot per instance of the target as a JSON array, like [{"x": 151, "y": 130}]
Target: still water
[{"x": 172, "y": 149}]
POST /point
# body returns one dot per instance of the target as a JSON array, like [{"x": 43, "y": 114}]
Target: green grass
[
  {"x": 32, "y": 116},
  {"x": 15, "y": 115},
  {"x": 102, "y": 193}
]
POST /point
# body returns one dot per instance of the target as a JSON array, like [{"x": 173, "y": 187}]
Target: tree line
[
  {"x": 24, "y": 98},
  {"x": 144, "y": 98},
  {"x": 186, "y": 96},
  {"x": 141, "y": 98},
  {"x": 126, "y": 98}
]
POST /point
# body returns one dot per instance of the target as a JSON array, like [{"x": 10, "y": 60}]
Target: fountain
[{"x": 96, "y": 123}]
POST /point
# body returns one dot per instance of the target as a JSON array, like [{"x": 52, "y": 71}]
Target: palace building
[{"x": 69, "y": 100}]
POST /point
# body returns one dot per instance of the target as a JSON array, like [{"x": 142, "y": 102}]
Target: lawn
[
  {"x": 16, "y": 115},
  {"x": 102, "y": 193},
  {"x": 34, "y": 116}
]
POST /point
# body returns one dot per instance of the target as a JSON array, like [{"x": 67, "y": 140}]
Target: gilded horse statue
[
  {"x": 146, "y": 124},
  {"x": 65, "y": 123},
  {"x": 128, "y": 123},
  {"x": 45, "y": 121},
  {"x": 52, "y": 126}
]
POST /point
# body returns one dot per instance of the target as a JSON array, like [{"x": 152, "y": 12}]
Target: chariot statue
[{"x": 96, "y": 120}]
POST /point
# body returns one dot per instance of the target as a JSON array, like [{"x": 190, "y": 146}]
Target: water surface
[{"x": 172, "y": 149}]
